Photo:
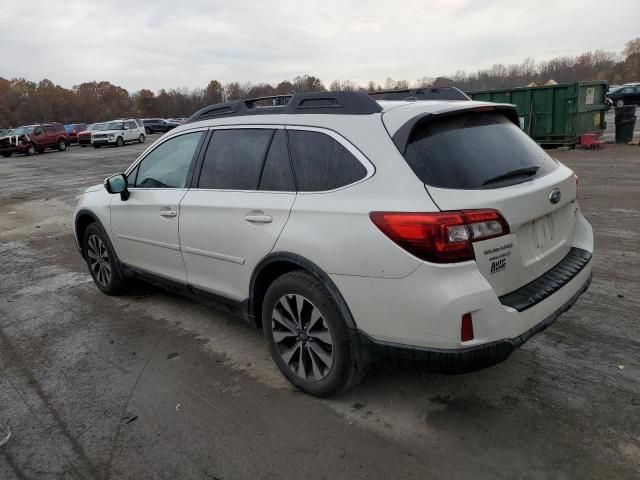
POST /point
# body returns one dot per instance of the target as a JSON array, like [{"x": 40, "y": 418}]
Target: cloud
[{"x": 165, "y": 44}]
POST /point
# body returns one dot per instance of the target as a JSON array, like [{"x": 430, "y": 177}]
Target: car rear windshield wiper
[{"x": 518, "y": 172}]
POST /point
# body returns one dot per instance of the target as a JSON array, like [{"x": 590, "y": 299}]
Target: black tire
[
  {"x": 83, "y": 146},
  {"x": 62, "y": 145},
  {"x": 6, "y": 154},
  {"x": 31, "y": 150},
  {"x": 619, "y": 103},
  {"x": 119, "y": 142},
  {"x": 141, "y": 138},
  {"x": 148, "y": 131},
  {"x": 343, "y": 371},
  {"x": 97, "y": 146},
  {"x": 116, "y": 284}
]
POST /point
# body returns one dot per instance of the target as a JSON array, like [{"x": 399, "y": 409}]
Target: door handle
[
  {"x": 258, "y": 218},
  {"x": 168, "y": 213}
]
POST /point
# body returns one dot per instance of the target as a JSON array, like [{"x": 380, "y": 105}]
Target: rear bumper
[
  {"x": 420, "y": 315},
  {"x": 456, "y": 361}
]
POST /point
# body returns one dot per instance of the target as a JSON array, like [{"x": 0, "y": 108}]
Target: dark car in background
[
  {"x": 73, "y": 129},
  {"x": 625, "y": 95},
  {"x": 158, "y": 125},
  {"x": 30, "y": 139}
]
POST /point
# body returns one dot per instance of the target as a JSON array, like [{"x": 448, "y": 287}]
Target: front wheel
[
  {"x": 141, "y": 139},
  {"x": 6, "y": 154},
  {"x": 31, "y": 150},
  {"x": 308, "y": 336},
  {"x": 119, "y": 142},
  {"x": 62, "y": 145},
  {"x": 102, "y": 261},
  {"x": 619, "y": 103}
]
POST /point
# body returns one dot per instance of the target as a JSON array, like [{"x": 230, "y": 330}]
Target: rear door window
[
  {"x": 235, "y": 159},
  {"x": 474, "y": 151},
  {"x": 320, "y": 163}
]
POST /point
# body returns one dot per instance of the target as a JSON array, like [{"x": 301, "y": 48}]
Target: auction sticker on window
[{"x": 498, "y": 260}]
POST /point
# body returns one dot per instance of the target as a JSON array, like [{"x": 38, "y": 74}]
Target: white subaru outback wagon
[{"x": 351, "y": 231}]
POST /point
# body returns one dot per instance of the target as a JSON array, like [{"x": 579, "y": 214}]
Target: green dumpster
[{"x": 555, "y": 114}]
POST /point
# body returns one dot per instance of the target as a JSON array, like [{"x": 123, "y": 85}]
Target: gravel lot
[{"x": 91, "y": 386}]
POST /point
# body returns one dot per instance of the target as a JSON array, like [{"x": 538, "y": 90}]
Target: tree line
[{"x": 23, "y": 101}]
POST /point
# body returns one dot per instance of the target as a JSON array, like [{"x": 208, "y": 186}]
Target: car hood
[
  {"x": 94, "y": 188},
  {"x": 7, "y": 138}
]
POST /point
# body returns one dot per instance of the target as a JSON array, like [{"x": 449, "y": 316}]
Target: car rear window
[{"x": 473, "y": 150}]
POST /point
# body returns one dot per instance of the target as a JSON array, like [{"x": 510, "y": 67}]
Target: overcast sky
[{"x": 182, "y": 43}]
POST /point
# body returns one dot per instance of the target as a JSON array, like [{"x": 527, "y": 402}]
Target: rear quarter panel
[{"x": 333, "y": 229}]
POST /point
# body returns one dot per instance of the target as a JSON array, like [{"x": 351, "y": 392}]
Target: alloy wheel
[
  {"x": 302, "y": 337},
  {"x": 99, "y": 261}
]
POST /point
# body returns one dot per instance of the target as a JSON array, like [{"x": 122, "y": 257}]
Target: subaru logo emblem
[{"x": 554, "y": 196}]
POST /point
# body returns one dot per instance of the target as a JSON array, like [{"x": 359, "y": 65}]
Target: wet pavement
[{"x": 152, "y": 385}]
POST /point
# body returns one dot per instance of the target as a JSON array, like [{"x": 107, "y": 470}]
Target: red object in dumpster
[{"x": 590, "y": 140}]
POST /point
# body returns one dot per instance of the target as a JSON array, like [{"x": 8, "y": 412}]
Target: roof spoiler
[{"x": 402, "y": 135}]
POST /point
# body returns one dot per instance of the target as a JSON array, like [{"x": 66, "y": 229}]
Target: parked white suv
[
  {"x": 119, "y": 132},
  {"x": 351, "y": 231}
]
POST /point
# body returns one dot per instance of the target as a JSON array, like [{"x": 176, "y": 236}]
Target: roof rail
[
  {"x": 426, "y": 93},
  {"x": 341, "y": 103}
]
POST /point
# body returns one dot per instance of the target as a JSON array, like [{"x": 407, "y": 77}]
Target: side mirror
[{"x": 117, "y": 184}]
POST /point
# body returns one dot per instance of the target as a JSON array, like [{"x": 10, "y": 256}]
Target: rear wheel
[
  {"x": 96, "y": 146},
  {"x": 6, "y": 154},
  {"x": 62, "y": 145},
  {"x": 31, "y": 150},
  {"x": 141, "y": 138},
  {"x": 307, "y": 335},
  {"x": 119, "y": 142},
  {"x": 102, "y": 261},
  {"x": 148, "y": 131},
  {"x": 619, "y": 103}
]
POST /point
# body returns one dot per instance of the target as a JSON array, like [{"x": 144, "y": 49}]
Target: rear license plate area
[{"x": 542, "y": 230}]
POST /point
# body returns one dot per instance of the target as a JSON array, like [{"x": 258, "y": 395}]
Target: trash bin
[{"x": 625, "y": 123}]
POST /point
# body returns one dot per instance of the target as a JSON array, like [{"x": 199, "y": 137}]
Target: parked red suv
[{"x": 34, "y": 138}]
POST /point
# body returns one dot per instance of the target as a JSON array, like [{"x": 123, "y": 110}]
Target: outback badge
[{"x": 554, "y": 196}]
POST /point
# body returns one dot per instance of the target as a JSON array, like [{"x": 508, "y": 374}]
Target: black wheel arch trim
[
  {"x": 84, "y": 212},
  {"x": 304, "y": 264}
]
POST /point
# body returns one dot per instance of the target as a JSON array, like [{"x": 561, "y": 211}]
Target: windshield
[
  {"x": 114, "y": 126},
  {"x": 97, "y": 126},
  {"x": 475, "y": 150},
  {"x": 23, "y": 131}
]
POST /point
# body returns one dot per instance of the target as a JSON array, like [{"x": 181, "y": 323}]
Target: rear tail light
[
  {"x": 443, "y": 237},
  {"x": 466, "y": 328}
]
